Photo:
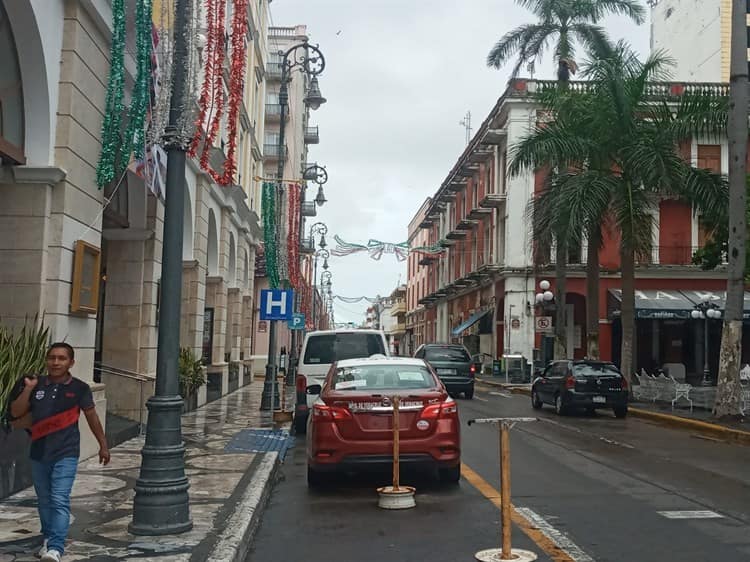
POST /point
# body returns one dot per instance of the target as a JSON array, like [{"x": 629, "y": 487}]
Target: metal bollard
[{"x": 506, "y": 552}]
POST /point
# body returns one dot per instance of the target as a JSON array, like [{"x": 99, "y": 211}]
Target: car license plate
[
  {"x": 446, "y": 371},
  {"x": 600, "y": 400}
]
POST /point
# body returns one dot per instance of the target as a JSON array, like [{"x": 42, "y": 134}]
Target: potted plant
[
  {"x": 22, "y": 352},
  {"x": 192, "y": 377}
]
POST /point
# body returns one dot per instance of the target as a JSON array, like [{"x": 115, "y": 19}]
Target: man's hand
[
  {"x": 30, "y": 382},
  {"x": 104, "y": 456}
]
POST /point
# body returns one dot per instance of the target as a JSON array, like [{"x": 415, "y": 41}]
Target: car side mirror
[{"x": 314, "y": 389}]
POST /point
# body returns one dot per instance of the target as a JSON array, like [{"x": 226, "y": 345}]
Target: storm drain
[{"x": 261, "y": 441}]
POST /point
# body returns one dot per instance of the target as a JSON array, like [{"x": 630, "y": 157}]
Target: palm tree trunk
[
  {"x": 592, "y": 293},
  {"x": 561, "y": 336},
  {"x": 627, "y": 313},
  {"x": 728, "y": 391}
]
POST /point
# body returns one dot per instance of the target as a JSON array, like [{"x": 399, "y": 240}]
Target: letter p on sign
[{"x": 276, "y": 304}]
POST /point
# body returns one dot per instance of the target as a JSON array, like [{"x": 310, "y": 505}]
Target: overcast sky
[{"x": 400, "y": 75}]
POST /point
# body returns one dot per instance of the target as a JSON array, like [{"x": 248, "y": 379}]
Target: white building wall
[{"x": 689, "y": 31}]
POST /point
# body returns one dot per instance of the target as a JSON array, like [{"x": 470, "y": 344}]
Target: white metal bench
[{"x": 682, "y": 390}]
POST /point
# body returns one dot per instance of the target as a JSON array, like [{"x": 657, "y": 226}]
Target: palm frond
[
  {"x": 593, "y": 38},
  {"x": 513, "y": 42},
  {"x": 595, "y": 10},
  {"x": 551, "y": 144},
  {"x": 541, "y": 8}
]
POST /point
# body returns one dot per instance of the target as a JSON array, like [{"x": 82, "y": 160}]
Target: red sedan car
[{"x": 351, "y": 426}]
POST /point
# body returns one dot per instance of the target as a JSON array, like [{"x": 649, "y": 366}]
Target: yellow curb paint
[
  {"x": 697, "y": 425},
  {"x": 555, "y": 553}
]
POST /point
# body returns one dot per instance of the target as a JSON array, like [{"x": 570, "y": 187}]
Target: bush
[
  {"x": 192, "y": 376},
  {"x": 22, "y": 352}
]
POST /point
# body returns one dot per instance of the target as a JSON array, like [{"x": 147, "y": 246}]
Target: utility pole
[
  {"x": 161, "y": 505},
  {"x": 466, "y": 124}
]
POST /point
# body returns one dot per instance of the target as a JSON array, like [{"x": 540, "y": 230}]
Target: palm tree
[
  {"x": 728, "y": 391},
  {"x": 618, "y": 144},
  {"x": 565, "y": 22}
]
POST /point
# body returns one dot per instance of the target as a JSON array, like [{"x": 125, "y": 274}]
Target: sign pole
[
  {"x": 396, "y": 496},
  {"x": 396, "y": 444}
]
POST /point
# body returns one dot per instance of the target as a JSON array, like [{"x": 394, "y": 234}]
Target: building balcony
[
  {"x": 447, "y": 242},
  {"x": 457, "y": 185},
  {"x": 447, "y": 197},
  {"x": 273, "y": 70},
  {"x": 493, "y": 201},
  {"x": 479, "y": 213},
  {"x": 467, "y": 224},
  {"x": 312, "y": 135},
  {"x": 398, "y": 308},
  {"x": 273, "y": 151},
  {"x": 309, "y": 209},
  {"x": 307, "y": 246},
  {"x": 397, "y": 329},
  {"x": 273, "y": 112},
  {"x": 456, "y": 234},
  {"x": 426, "y": 223},
  {"x": 659, "y": 256},
  {"x": 428, "y": 260}
]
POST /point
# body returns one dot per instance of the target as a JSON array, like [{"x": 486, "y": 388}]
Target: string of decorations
[
  {"x": 113, "y": 105},
  {"x": 282, "y": 248},
  {"x": 377, "y": 248},
  {"x": 135, "y": 133},
  {"x": 354, "y": 300},
  {"x": 293, "y": 235},
  {"x": 269, "y": 234},
  {"x": 236, "y": 87}
]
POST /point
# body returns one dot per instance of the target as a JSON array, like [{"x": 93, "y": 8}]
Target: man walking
[{"x": 55, "y": 402}]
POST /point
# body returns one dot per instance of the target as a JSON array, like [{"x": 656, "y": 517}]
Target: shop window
[{"x": 11, "y": 97}]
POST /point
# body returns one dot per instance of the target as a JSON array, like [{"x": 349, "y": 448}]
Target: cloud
[{"x": 399, "y": 77}]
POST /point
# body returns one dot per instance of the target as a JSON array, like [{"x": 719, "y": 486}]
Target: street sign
[
  {"x": 543, "y": 324},
  {"x": 276, "y": 304},
  {"x": 297, "y": 322}
]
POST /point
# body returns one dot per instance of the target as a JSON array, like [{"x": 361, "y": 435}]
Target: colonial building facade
[{"x": 482, "y": 291}]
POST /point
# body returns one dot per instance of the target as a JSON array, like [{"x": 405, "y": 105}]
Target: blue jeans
[{"x": 53, "y": 482}]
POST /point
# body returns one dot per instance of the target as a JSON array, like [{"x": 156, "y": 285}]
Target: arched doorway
[{"x": 11, "y": 96}]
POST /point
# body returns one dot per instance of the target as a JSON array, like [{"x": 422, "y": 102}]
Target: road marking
[
  {"x": 545, "y": 536},
  {"x": 613, "y": 442},
  {"x": 690, "y": 514},
  {"x": 500, "y": 394},
  {"x": 481, "y": 399}
]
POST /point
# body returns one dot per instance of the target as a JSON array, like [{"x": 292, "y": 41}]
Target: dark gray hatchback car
[{"x": 453, "y": 366}]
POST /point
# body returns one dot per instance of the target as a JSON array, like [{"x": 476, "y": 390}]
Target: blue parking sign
[
  {"x": 276, "y": 304},
  {"x": 297, "y": 322}
]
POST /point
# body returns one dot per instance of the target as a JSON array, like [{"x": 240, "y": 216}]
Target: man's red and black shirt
[{"x": 55, "y": 408}]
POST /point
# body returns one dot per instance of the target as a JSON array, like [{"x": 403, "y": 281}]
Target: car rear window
[
  {"x": 329, "y": 348},
  {"x": 382, "y": 377},
  {"x": 456, "y": 354},
  {"x": 595, "y": 370}
]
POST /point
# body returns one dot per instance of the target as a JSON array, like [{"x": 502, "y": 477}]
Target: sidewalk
[
  {"x": 699, "y": 419},
  {"x": 232, "y": 454}
]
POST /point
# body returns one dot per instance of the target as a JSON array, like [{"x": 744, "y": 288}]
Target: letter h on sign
[{"x": 276, "y": 304}]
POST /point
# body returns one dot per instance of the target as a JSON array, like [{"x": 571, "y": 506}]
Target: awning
[
  {"x": 665, "y": 304},
  {"x": 473, "y": 319},
  {"x": 670, "y": 304}
]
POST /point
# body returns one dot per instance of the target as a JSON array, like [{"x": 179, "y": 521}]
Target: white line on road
[
  {"x": 501, "y": 394},
  {"x": 481, "y": 399},
  {"x": 690, "y": 514},
  {"x": 558, "y": 537},
  {"x": 613, "y": 442}
]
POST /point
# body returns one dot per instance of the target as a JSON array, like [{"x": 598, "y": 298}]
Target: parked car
[
  {"x": 319, "y": 351},
  {"x": 589, "y": 385},
  {"x": 453, "y": 365},
  {"x": 351, "y": 426}
]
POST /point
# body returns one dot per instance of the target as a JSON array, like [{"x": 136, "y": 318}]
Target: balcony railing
[
  {"x": 273, "y": 70},
  {"x": 658, "y": 256},
  {"x": 658, "y": 90},
  {"x": 273, "y": 151},
  {"x": 273, "y": 112},
  {"x": 312, "y": 135}
]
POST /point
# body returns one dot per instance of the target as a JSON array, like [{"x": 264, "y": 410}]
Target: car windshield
[
  {"x": 329, "y": 348},
  {"x": 594, "y": 370},
  {"x": 455, "y": 354},
  {"x": 382, "y": 377}
]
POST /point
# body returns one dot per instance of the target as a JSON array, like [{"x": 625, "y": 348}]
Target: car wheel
[
  {"x": 469, "y": 393},
  {"x": 536, "y": 401},
  {"x": 450, "y": 475},
  {"x": 315, "y": 479},
  {"x": 621, "y": 411},
  {"x": 300, "y": 424},
  {"x": 559, "y": 406}
]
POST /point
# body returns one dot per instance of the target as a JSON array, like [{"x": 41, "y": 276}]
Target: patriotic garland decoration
[
  {"x": 293, "y": 235},
  {"x": 376, "y": 249},
  {"x": 354, "y": 300}
]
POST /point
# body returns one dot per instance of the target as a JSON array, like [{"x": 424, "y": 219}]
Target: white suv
[{"x": 319, "y": 351}]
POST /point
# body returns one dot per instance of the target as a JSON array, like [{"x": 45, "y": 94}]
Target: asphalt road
[{"x": 584, "y": 488}]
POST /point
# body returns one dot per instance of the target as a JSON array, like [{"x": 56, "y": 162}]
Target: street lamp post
[
  {"x": 309, "y": 60},
  {"x": 325, "y": 254},
  {"x": 706, "y": 310},
  {"x": 161, "y": 504},
  {"x": 545, "y": 299}
]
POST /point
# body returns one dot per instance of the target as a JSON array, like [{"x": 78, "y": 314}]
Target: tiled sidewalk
[{"x": 225, "y": 490}]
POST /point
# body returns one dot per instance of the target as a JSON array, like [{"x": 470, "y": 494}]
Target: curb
[
  {"x": 234, "y": 542},
  {"x": 719, "y": 431},
  {"x": 677, "y": 422}
]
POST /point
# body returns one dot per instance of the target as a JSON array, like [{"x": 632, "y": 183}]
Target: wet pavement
[{"x": 102, "y": 497}]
